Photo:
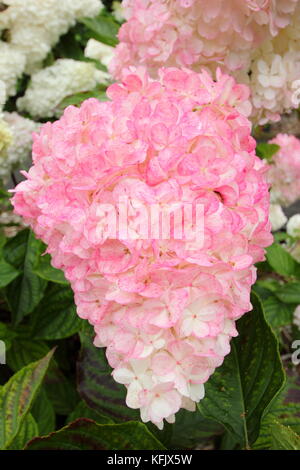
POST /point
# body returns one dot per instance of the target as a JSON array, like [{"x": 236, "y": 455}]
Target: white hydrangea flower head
[
  {"x": 12, "y": 65},
  {"x": 2, "y": 94},
  {"x": 34, "y": 26},
  {"x": 272, "y": 82},
  {"x": 277, "y": 217},
  {"x": 5, "y": 141},
  {"x": 257, "y": 41},
  {"x": 19, "y": 149},
  {"x": 99, "y": 51},
  {"x": 49, "y": 86},
  {"x": 118, "y": 11},
  {"x": 293, "y": 226},
  {"x": 275, "y": 73}
]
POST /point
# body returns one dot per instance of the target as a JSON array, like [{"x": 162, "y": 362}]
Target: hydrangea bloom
[
  {"x": 284, "y": 174},
  {"x": 18, "y": 151},
  {"x": 99, "y": 51},
  {"x": 118, "y": 11},
  {"x": 249, "y": 38},
  {"x": 165, "y": 308},
  {"x": 275, "y": 73},
  {"x": 5, "y": 139},
  {"x": 49, "y": 86},
  {"x": 277, "y": 217},
  {"x": 293, "y": 226},
  {"x": 12, "y": 66},
  {"x": 194, "y": 32},
  {"x": 2, "y": 94},
  {"x": 32, "y": 27}
]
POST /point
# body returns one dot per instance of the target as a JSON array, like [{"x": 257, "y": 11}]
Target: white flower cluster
[
  {"x": 293, "y": 226},
  {"x": 49, "y": 86},
  {"x": 32, "y": 27},
  {"x": 5, "y": 139},
  {"x": 277, "y": 217},
  {"x": 19, "y": 150},
  {"x": 273, "y": 74},
  {"x": 118, "y": 11},
  {"x": 2, "y": 94},
  {"x": 99, "y": 51},
  {"x": 12, "y": 65}
]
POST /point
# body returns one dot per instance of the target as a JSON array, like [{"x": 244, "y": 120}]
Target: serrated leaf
[
  {"x": 277, "y": 313},
  {"x": 60, "y": 390},
  {"x": 281, "y": 261},
  {"x": 282, "y": 410},
  {"x": 25, "y": 292},
  {"x": 102, "y": 28},
  {"x": 190, "y": 428},
  {"x": 241, "y": 390},
  {"x": 55, "y": 317},
  {"x": 289, "y": 293},
  {"x": 28, "y": 430},
  {"x": 46, "y": 271},
  {"x": 284, "y": 438},
  {"x": 96, "y": 385},
  {"x": 78, "y": 98},
  {"x": 83, "y": 411},
  {"x": 6, "y": 335},
  {"x": 7, "y": 273},
  {"x": 23, "y": 351},
  {"x": 15, "y": 249},
  {"x": 85, "y": 434},
  {"x": 43, "y": 413},
  {"x": 16, "y": 398}
]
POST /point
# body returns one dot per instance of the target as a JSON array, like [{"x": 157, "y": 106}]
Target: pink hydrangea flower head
[
  {"x": 191, "y": 33},
  {"x": 164, "y": 306},
  {"x": 284, "y": 173}
]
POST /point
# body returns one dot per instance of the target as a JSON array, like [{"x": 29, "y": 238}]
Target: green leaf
[
  {"x": 96, "y": 385},
  {"x": 15, "y": 249},
  {"x": 286, "y": 414},
  {"x": 23, "y": 351},
  {"x": 284, "y": 438},
  {"x": 55, "y": 317},
  {"x": 103, "y": 29},
  {"x": 43, "y": 412},
  {"x": 28, "y": 430},
  {"x": 277, "y": 313},
  {"x": 191, "y": 428},
  {"x": 83, "y": 411},
  {"x": 281, "y": 261},
  {"x": 241, "y": 390},
  {"x": 282, "y": 410},
  {"x": 7, "y": 273},
  {"x": 44, "y": 270},
  {"x": 266, "y": 151},
  {"x": 60, "y": 390},
  {"x": 6, "y": 335},
  {"x": 16, "y": 398},
  {"x": 85, "y": 434},
  {"x": 78, "y": 98},
  {"x": 289, "y": 293},
  {"x": 27, "y": 290}
]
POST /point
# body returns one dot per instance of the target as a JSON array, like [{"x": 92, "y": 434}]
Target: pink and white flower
[{"x": 165, "y": 309}]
